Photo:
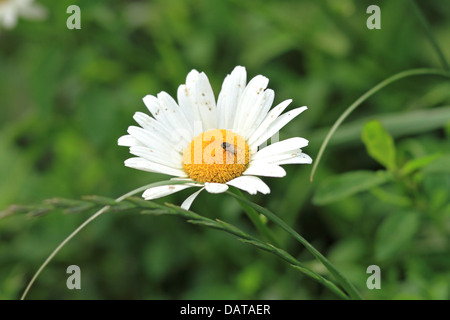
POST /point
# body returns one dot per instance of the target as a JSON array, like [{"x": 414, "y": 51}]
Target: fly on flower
[{"x": 212, "y": 145}]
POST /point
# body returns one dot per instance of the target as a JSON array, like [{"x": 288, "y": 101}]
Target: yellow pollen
[{"x": 216, "y": 156}]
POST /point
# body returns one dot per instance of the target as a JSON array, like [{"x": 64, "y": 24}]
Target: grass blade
[
  {"x": 364, "y": 97},
  {"x": 348, "y": 286}
]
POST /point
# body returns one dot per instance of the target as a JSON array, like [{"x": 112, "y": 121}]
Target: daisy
[
  {"x": 10, "y": 10},
  {"x": 209, "y": 145}
]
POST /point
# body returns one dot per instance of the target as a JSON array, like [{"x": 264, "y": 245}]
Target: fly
[{"x": 228, "y": 147}]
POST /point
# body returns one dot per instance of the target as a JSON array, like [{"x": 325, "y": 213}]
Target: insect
[
  {"x": 228, "y": 147},
  {"x": 237, "y": 153}
]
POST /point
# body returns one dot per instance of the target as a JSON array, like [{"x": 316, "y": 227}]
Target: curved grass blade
[
  {"x": 85, "y": 223},
  {"x": 364, "y": 97},
  {"x": 246, "y": 238},
  {"x": 347, "y": 285}
]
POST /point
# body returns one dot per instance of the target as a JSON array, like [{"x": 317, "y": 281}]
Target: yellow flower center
[{"x": 216, "y": 156}]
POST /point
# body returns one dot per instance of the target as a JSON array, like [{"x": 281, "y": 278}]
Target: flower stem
[
  {"x": 255, "y": 218},
  {"x": 426, "y": 27},
  {"x": 364, "y": 97},
  {"x": 347, "y": 285},
  {"x": 84, "y": 224},
  {"x": 246, "y": 238}
]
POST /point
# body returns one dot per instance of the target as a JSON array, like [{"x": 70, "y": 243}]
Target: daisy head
[
  {"x": 10, "y": 10},
  {"x": 212, "y": 145}
]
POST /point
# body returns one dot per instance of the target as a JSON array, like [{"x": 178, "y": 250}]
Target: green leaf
[
  {"x": 399, "y": 124},
  {"x": 440, "y": 165},
  {"x": 391, "y": 197},
  {"x": 379, "y": 144},
  {"x": 419, "y": 163},
  {"x": 348, "y": 184},
  {"x": 395, "y": 233}
]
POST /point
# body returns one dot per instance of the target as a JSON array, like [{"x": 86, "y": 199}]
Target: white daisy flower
[
  {"x": 10, "y": 10},
  {"x": 211, "y": 145}
]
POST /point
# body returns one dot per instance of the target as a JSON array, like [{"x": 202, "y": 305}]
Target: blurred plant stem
[
  {"x": 347, "y": 285},
  {"x": 364, "y": 97},
  {"x": 255, "y": 217},
  {"x": 429, "y": 34},
  {"x": 84, "y": 224},
  {"x": 126, "y": 202}
]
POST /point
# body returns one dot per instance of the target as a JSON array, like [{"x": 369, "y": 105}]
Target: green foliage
[
  {"x": 419, "y": 163},
  {"x": 347, "y": 184},
  {"x": 379, "y": 144},
  {"x": 440, "y": 165},
  {"x": 395, "y": 233}
]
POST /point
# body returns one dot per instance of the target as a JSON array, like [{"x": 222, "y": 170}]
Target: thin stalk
[
  {"x": 85, "y": 223},
  {"x": 430, "y": 36},
  {"x": 246, "y": 238},
  {"x": 62, "y": 244},
  {"x": 347, "y": 285},
  {"x": 255, "y": 218},
  {"x": 364, "y": 97}
]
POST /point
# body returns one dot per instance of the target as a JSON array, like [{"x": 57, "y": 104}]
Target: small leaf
[
  {"x": 379, "y": 143},
  {"x": 348, "y": 184},
  {"x": 419, "y": 163},
  {"x": 395, "y": 233}
]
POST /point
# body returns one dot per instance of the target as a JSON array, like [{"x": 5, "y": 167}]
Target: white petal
[
  {"x": 181, "y": 136},
  {"x": 150, "y": 124},
  {"x": 303, "y": 158},
  {"x": 215, "y": 187},
  {"x": 250, "y": 184},
  {"x": 248, "y": 101},
  {"x": 145, "y": 165},
  {"x": 160, "y": 112},
  {"x": 184, "y": 101},
  {"x": 203, "y": 100},
  {"x": 175, "y": 116},
  {"x": 232, "y": 89},
  {"x": 276, "y": 125},
  {"x": 271, "y": 117},
  {"x": 170, "y": 120},
  {"x": 191, "y": 78},
  {"x": 158, "y": 156},
  {"x": 188, "y": 202},
  {"x": 281, "y": 147},
  {"x": 155, "y": 141},
  {"x": 152, "y": 104},
  {"x": 278, "y": 157},
  {"x": 128, "y": 141},
  {"x": 256, "y": 114},
  {"x": 162, "y": 191},
  {"x": 186, "y": 97},
  {"x": 265, "y": 170},
  {"x": 182, "y": 179},
  {"x": 10, "y": 19}
]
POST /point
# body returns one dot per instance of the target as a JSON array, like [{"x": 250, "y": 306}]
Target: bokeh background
[{"x": 67, "y": 95}]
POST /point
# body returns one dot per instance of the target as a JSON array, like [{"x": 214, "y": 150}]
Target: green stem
[
  {"x": 246, "y": 238},
  {"x": 254, "y": 216},
  {"x": 364, "y": 97},
  {"x": 85, "y": 223},
  {"x": 347, "y": 285},
  {"x": 426, "y": 27}
]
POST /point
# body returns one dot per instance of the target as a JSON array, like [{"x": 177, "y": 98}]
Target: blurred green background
[{"x": 67, "y": 95}]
